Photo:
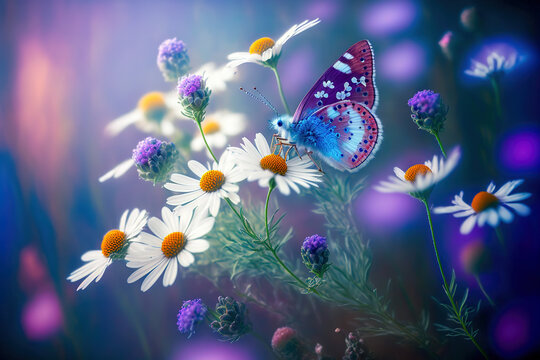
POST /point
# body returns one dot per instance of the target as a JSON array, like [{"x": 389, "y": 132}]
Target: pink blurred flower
[{"x": 42, "y": 317}]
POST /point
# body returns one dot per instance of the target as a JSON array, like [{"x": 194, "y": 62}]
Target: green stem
[
  {"x": 497, "y": 94},
  {"x": 436, "y": 134},
  {"x": 273, "y": 250},
  {"x": 447, "y": 289},
  {"x": 204, "y": 138},
  {"x": 280, "y": 88},
  {"x": 483, "y": 290},
  {"x": 500, "y": 235}
]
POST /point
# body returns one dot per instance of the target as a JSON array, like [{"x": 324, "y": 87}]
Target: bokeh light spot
[
  {"x": 402, "y": 62},
  {"x": 384, "y": 18}
]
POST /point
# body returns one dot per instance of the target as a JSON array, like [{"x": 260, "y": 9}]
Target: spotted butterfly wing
[
  {"x": 358, "y": 132},
  {"x": 351, "y": 77}
]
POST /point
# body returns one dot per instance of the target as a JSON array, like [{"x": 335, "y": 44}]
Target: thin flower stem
[
  {"x": 500, "y": 235},
  {"x": 204, "y": 138},
  {"x": 497, "y": 93},
  {"x": 280, "y": 88},
  {"x": 273, "y": 250},
  {"x": 449, "y": 295},
  {"x": 483, "y": 290},
  {"x": 436, "y": 134}
]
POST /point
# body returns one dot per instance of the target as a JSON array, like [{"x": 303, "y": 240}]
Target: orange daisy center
[
  {"x": 415, "y": 170},
  {"x": 274, "y": 163},
  {"x": 212, "y": 181},
  {"x": 153, "y": 106},
  {"x": 261, "y": 45},
  {"x": 172, "y": 244},
  {"x": 112, "y": 242},
  {"x": 483, "y": 200},
  {"x": 210, "y": 126}
]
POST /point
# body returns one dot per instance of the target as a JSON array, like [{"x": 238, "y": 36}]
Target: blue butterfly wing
[
  {"x": 351, "y": 77},
  {"x": 358, "y": 132}
]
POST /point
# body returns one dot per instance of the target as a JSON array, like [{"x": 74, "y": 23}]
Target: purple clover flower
[
  {"x": 428, "y": 111},
  {"x": 190, "y": 315},
  {"x": 154, "y": 159},
  {"x": 172, "y": 59},
  {"x": 194, "y": 96},
  {"x": 189, "y": 84},
  {"x": 145, "y": 150},
  {"x": 315, "y": 254}
]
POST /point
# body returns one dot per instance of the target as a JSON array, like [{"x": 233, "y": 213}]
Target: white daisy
[
  {"x": 262, "y": 164},
  {"x": 174, "y": 240},
  {"x": 496, "y": 64},
  {"x": 214, "y": 183},
  {"x": 113, "y": 246},
  {"x": 419, "y": 179},
  {"x": 488, "y": 206},
  {"x": 217, "y": 127},
  {"x": 266, "y": 51},
  {"x": 156, "y": 113},
  {"x": 216, "y": 77}
]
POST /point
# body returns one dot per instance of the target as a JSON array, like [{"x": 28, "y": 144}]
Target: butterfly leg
[
  {"x": 311, "y": 158},
  {"x": 291, "y": 146}
]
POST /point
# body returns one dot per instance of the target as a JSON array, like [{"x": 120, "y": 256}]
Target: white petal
[
  {"x": 505, "y": 214},
  {"x": 493, "y": 217},
  {"x": 142, "y": 271},
  {"x": 170, "y": 273},
  {"x": 197, "y": 168},
  {"x": 117, "y": 125},
  {"x": 515, "y": 197},
  {"x": 118, "y": 170},
  {"x": 91, "y": 255},
  {"x": 521, "y": 209},
  {"x": 154, "y": 275},
  {"x": 468, "y": 225},
  {"x": 197, "y": 246},
  {"x": 158, "y": 227},
  {"x": 185, "y": 258}
]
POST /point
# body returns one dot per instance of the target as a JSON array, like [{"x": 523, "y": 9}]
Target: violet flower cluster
[{"x": 154, "y": 159}]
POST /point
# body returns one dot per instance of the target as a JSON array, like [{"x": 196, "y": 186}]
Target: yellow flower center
[
  {"x": 112, "y": 242},
  {"x": 274, "y": 163},
  {"x": 172, "y": 244},
  {"x": 261, "y": 45},
  {"x": 153, "y": 106},
  {"x": 483, "y": 200},
  {"x": 415, "y": 170},
  {"x": 210, "y": 126},
  {"x": 212, "y": 181}
]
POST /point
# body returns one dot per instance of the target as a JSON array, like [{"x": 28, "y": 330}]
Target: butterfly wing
[
  {"x": 352, "y": 77},
  {"x": 358, "y": 130}
]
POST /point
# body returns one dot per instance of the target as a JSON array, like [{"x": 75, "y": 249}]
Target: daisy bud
[
  {"x": 154, "y": 159},
  {"x": 190, "y": 315},
  {"x": 172, "y": 59},
  {"x": 193, "y": 95},
  {"x": 315, "y": 254},
  {"x": 428, "y": 111},
  {"x": 356, "y": 349},
  {"x": 287, "y": 345},
  {"x": 233, "y": 321}
]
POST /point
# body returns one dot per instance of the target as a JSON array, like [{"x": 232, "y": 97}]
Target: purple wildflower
[
  {"x": 288, "y": 346},
  {"x": 190, "y": 314},
  {"x": 172, "y": 59},
  {"x": 154, "y": 159},
  {"x": 189, "y": 84},
  {"x": 315, "y": 254},
  {"x": 428, "y": 111},
  {"x": 194, "y": 96}
]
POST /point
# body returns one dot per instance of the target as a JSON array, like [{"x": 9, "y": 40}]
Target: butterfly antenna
[{"x": 265, "y": 102}]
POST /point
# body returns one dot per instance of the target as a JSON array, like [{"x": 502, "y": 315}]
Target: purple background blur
[{"x": 67, "y": 68}]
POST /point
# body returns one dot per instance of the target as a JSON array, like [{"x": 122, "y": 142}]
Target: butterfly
[{"x": 336, "y": 119}]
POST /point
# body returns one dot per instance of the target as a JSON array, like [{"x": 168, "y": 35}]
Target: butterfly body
[{"x": 336, "y": 119}]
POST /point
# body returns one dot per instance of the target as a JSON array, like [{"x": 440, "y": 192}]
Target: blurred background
[{"x": 68, "y": 68}]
